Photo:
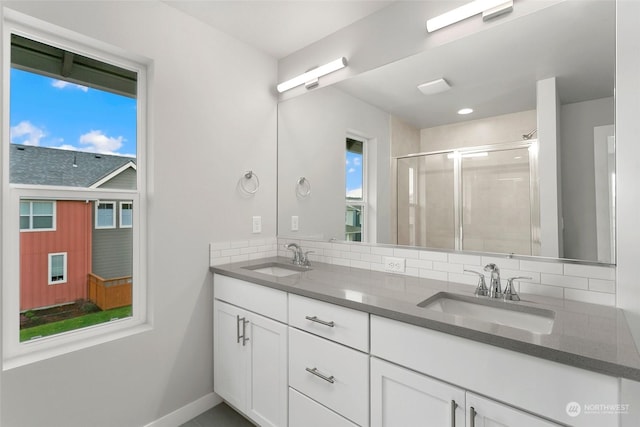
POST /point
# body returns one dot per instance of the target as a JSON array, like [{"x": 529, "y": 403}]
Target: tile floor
[{"x": 219, "y": 416}]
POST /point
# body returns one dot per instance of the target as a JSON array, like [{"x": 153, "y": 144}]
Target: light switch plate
[
  {"x": 294, "y": 223},
  {"x": 257, "y": 224},
  {"x": 394, "y": 265}
]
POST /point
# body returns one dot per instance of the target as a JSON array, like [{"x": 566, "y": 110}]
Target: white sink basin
[
  {"x": 532, "y": 319},
  {"x": 277, "y": 270}
]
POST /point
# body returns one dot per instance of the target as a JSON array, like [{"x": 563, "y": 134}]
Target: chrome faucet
[
  {"x": 510, "y": 293},
  {"x": 299, "y": 257},
  {"x": 495, "y": 288},
  {"x": 481, "y": 289}
]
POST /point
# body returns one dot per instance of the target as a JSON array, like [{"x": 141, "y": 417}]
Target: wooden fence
[{"x": 109, "y": 293}]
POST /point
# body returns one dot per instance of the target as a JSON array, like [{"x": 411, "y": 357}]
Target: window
[
  {"x": 106, "y": 215},
  {"x": 76, "y": 163},
  {"x": 37, "y": 215},
  {"x": 57, "y": 268},
  {"x": 355, "y": 201},
  {"x": 126, "y": 214}
]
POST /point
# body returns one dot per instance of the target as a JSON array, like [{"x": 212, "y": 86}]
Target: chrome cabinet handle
[
  {"x": 472, "y": 417},
  {"x": 244, "y": 332},
  {"x": 315, "y": 372},
  {"x": 454, "y": 405},
  {"x": 238, "y": 329},
  {"x": 322, "y": 322}
]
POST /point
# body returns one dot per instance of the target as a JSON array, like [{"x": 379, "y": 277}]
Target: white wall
[
  {"x": 578, "y": 177},
  {"x": 212, "y": 117},
  {"x": 311, "y": 143},
  {"x": 628, "y": 161}
]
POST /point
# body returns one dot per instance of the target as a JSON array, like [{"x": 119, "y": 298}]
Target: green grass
[{"x": 75, "y": 323}]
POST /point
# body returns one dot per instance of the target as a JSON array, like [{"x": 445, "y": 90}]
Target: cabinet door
[
  {"x": 267, "y": 366},
  {"x": 229, "y": 371},
  {"x": 483, "y": 412},
  {"x": 402, "y": 398}
]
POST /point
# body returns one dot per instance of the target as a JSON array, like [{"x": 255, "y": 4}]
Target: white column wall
[{"x": 628, "y": 161}]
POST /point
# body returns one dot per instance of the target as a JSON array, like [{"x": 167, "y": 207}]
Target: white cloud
[
  {"x": 351, "y": 170},
  {"x": 357, "y": 161},
  {"x": 356, "y": 193},
  {"x": 26, "y": 133},
  {"x": 97, "y": 142},
  {"x": 60, "y": 84}
]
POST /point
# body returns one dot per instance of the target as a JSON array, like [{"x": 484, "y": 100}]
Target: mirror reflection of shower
[{"x": 476, "y": 199}]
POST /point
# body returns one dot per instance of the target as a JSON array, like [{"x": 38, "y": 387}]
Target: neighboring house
[{"x": 63, "y": 242}]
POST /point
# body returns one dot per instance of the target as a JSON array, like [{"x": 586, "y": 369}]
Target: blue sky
[
  {"x": 354, "y": 174},
  {"x": 52, "y": 113}
]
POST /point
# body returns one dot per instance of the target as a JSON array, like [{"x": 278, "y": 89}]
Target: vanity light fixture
[
  {"x": 489, "y": 9},
  {"x": 311, "y": 77},
  {"x": 464, "y": 111}
]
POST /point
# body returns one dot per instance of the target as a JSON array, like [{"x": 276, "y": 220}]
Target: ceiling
[
  {"x": 495, "y": 71},
  {"x": 279, "y": 27}
]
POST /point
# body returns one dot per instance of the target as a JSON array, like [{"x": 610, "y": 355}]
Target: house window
[
  {"x": 37, "y": 215},
  {"x": 76, "y": 163},
  {"x": 57, "y": 268},
  {"x": 126, "y": 214},
  {"x": 106, "y": 215},
  {"x": 355, "y": 191}
]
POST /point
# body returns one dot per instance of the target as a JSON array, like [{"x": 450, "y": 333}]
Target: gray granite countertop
[{"x": 584, "y": 335}]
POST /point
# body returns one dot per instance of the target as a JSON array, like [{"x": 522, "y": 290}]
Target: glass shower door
[
  {"x": 496, "y": 201},
  {"x": 425, "y": 201}
]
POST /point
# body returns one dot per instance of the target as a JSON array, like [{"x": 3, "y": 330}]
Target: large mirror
[{"x": 531, "y": 171}]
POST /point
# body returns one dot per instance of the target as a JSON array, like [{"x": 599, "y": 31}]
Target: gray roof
[{"x": 52, "y": 166}]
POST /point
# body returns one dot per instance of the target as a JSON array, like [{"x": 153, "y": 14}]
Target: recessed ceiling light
[{"x": 464, "y": 111}]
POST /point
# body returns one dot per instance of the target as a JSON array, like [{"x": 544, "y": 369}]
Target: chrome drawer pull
[
  {"x": 472, "y": 417},
  {"x": 244, "y": 332},
  {"x": 454, "y": 405},
  {"x": 322, "y": 322},
  {"x": 238, "y": 328},
  {"x": 315, "y": 372}
]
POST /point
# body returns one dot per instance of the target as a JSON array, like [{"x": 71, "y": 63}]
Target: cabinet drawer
[
  {"x": 304, "y": 412},
  {"x": 257, "y": 298},
  {"x": 345, "y": 386},
  {"x": 340, "y": 324}
]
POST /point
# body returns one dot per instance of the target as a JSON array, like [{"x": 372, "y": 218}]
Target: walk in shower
[{"x": 482, "y": 198}]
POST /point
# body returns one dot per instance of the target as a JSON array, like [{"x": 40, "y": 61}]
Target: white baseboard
[{"x": 187, "y": 412}]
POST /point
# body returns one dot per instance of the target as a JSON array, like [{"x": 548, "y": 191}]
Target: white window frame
[
  {"x": 113, "y": 218},
  {"x": 14, "y": 352},
  {"x": 364, "y": 237},
  {"x": 122, "y": 203},
  {"x": 35, "y": 230},
  {"x": 64, "y": 268}
]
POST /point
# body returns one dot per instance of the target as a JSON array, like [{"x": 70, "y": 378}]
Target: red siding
[{"x": 73, "y": 236}]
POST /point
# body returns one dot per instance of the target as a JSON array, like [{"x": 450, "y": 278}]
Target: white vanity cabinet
[
  {"x": 483, "y": 412},
  {"x": 328, "y": 365},
  {"x": 401, "y": 397},
  {"x": 250, "y": 350},
  {"x": 516, "y": 379}
]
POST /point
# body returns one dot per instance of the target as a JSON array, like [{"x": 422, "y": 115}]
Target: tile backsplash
[
  {"x": 242, "y": 250},
  {"x": 587, "y": 283}
]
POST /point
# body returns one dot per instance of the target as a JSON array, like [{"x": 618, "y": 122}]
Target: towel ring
[
  {"x": 249, "y": 182},
  {"x": 303, "y": 187}
]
